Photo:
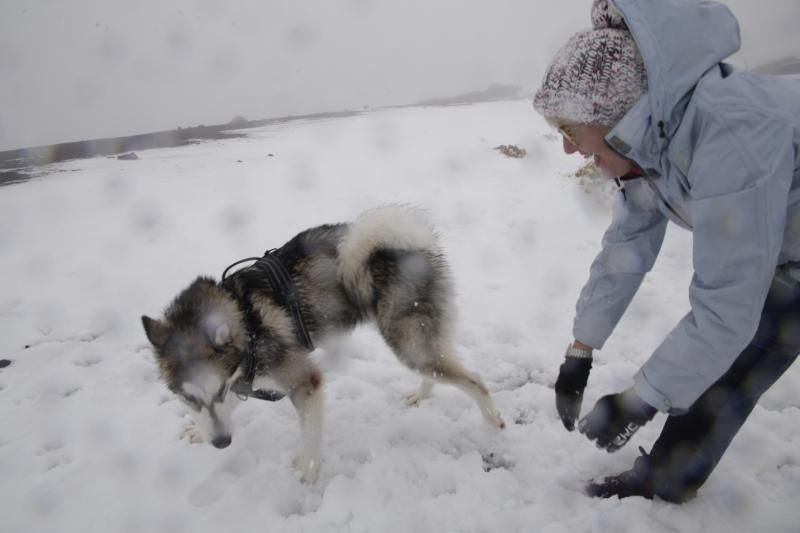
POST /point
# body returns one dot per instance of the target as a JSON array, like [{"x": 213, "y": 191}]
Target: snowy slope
[{"x": 90, "y": 437}]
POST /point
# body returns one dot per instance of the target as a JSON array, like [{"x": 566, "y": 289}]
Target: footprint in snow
[
  {"x": 492, "y": 461},
  {"x": 88, "y": 361}
]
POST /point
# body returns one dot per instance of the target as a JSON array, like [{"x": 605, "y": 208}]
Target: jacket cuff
[
  {"x": 649, "y": 394},
  {"x": 589, "y": 336}
]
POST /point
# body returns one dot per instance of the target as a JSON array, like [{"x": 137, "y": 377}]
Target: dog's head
[{"x": 200, "y": 346}]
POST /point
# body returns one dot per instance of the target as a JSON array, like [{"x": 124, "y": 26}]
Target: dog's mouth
[{"x": 244, "y": 390}]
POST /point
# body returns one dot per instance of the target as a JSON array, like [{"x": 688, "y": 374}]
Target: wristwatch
[{"x": 572, "y": 351}]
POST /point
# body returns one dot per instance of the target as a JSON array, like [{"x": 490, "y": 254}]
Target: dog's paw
[
  {"x": 422, "y": 393},
  {"x": 494, "y": 419},
  {"x": 308, "y": 468},
  {"x": 192, "y": 433},
  {"x": 415, "y": 398}
]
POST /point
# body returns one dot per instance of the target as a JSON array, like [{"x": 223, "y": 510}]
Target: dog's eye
[
  {"x": 193, "y": 402},
  {"x": 220, "y": 348}
]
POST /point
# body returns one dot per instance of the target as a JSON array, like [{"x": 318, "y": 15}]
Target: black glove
[
  {"x": 572, "y": 377},
  {"x": 615, "y": 418}
]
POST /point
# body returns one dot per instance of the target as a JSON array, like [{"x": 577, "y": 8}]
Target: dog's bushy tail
[{"x": 395, "y": 227}]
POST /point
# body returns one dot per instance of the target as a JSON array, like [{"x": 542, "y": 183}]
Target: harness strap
[
  {"x": 282, "y": 283},
  {"x": 286, "y": 294},
  {"x": 284, "y": 290}
]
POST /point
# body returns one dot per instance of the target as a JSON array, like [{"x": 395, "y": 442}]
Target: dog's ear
[
  {"x": 156, "y": 331},
  {"x": 222, "y": 335}
]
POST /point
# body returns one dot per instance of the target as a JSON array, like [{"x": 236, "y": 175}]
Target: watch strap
[{"x": 572, "y": 351}]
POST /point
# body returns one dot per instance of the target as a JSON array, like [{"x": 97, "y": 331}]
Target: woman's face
[{"x": 589, "y": 140}]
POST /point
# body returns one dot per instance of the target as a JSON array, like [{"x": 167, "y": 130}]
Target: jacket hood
[{"x": 679, "y": 41}]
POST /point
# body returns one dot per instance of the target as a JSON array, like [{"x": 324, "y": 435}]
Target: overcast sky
[{"x": 82, "y": 69}]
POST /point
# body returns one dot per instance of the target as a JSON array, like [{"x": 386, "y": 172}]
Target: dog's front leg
[{"x": 308, "y": 400}]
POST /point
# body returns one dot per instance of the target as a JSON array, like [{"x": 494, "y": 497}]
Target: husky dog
[{"x": 252, "y": 333}]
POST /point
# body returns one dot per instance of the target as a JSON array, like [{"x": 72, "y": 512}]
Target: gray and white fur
[{"x": 386, "y": 267}]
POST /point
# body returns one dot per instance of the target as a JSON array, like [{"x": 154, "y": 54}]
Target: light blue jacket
[{"x": 721, "y": 153}]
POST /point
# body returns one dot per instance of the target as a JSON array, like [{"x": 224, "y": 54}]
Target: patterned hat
[{"x": 597, "y": 76}]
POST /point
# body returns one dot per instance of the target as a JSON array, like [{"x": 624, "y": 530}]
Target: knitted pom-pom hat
[{"x": 597, "y": 76}]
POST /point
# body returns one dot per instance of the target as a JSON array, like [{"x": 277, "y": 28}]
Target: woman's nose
[{"x": 569, "y": 148}]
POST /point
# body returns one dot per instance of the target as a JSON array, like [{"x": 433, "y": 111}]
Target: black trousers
[{"x": 691, "y": 445}]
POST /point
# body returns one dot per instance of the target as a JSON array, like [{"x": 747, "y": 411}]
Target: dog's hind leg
[
  {"x": 416, "y": 342},
  {"x": 307, "y": 399},
  {"x": 448, "y": 370}
]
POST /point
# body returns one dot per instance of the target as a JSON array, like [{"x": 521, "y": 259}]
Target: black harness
[{"x": 267, "y": 272}]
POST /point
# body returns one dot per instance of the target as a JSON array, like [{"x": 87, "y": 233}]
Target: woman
[{"x": 717, "y": 151}]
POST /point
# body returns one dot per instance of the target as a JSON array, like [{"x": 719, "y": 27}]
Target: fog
[{"x": 88, "y": 69}]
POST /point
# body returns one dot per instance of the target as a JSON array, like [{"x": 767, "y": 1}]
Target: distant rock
[
  {"x": 238, "y": 121},
  {"x": 4, "y": 363},
  {"x": 588, "y": 170},
  {"x": 12, "y": 176},
  {"x": 130, "y": 156},
  {"x": 510, "y": 150}
]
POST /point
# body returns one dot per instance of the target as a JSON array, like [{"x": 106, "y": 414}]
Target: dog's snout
[{"x": 221, "y": 442}]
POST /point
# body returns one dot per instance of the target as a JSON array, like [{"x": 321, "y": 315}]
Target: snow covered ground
[{"x": 89, "y": 439}]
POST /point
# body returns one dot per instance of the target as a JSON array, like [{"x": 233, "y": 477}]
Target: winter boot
[
  {"x": 633, "y": 482},
  {"x": 645, "y": 479}
]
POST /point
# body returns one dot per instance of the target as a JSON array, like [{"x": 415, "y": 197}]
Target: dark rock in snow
[
  {"x": 492, "y": 461},
  {"x": 510, "y": 150},
  {"x": 238, "y": 121}
]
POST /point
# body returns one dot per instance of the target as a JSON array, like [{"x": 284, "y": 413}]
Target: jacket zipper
[{"x": 680, "y": 220}]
